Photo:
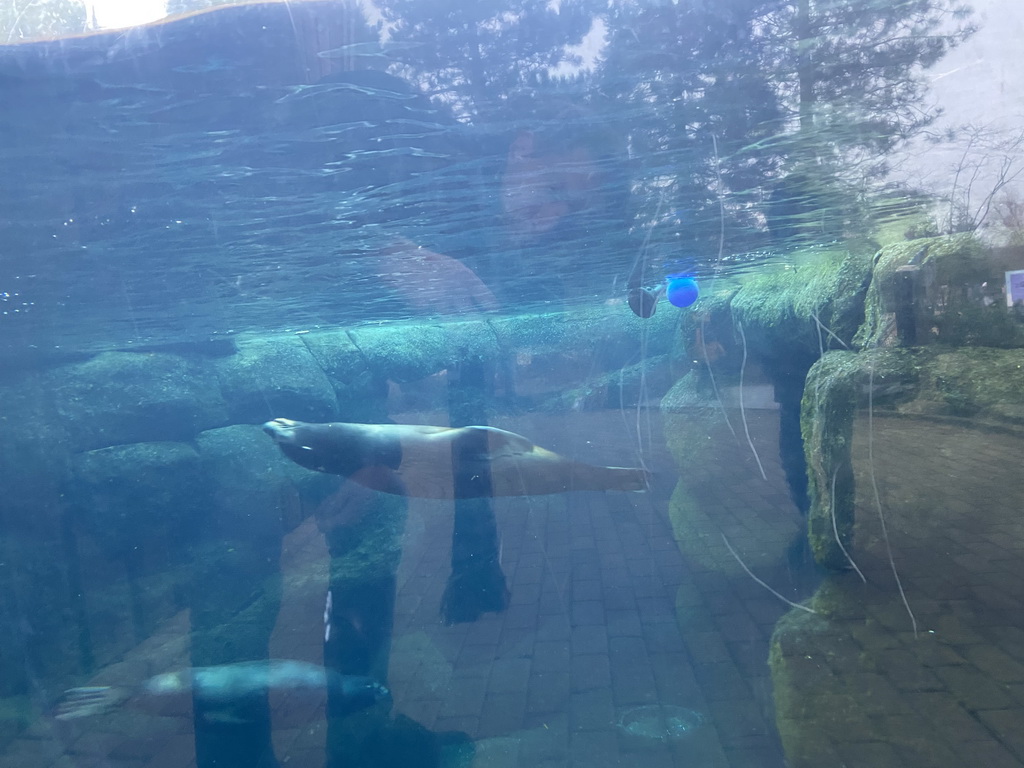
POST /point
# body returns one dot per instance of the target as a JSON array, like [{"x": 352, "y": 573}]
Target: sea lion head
[
  {"x": 335, "y": 448},
  {"x": 282, "y": 430}
]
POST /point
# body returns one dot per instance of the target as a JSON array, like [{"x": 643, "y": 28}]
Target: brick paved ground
[{"x": 874, "y": 694}]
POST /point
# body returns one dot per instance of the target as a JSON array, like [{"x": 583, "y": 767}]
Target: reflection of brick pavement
[
  {"x": 591, "y": 631},
  {"x": 954, "y": 695}
]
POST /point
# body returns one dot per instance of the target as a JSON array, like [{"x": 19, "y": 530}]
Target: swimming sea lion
[
  {"x": 442, "y": 462},
  {"x": 222, "y": 687}
]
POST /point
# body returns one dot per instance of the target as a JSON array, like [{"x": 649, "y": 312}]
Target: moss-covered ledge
[{"x": 816, "y": 303}]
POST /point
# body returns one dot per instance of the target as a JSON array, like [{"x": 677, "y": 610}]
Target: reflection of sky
[
  {"x": 589, "y": 48},
  {"x": 979, "y": 83},
  {"x": 124, "y": 13}
]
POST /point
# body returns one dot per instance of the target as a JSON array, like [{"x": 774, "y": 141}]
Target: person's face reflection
[{"x": 542, "y": 185}]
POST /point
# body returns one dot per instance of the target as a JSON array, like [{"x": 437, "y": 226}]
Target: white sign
[{"x": 1014, "y": 287}]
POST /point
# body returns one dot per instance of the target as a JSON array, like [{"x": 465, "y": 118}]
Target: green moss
[
  {"x": 956, "y": 273},
  {"x": 986, "y": 385},
  {"x": 826, "y": 422},
  {"x": 783, "y": 309},
  {"x": 844, "y": 678},
  {"x": 172, "y": 398},
  {"x": 697, "y": 533},
  {"x": 591, "y": 330},
  {"x": 401, "y": 353},
  {"x": 367, "y": 549},
  {"x": 693, "y": 419},
  {"x": 817, "y": 710},
  {"x": 361, "y": 392},
  {"x": 275, "y": 374}
]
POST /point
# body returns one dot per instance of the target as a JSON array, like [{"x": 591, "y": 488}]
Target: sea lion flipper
[
  {"x": 379, "y": 477},
  {"x": 492, "y": 442},
  {"x": 89, "y": 700}
]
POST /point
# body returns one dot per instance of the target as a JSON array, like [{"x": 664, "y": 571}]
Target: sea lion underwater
[
  {"x": 220, "y": 688},
  {"x": 443, "y": 462}
]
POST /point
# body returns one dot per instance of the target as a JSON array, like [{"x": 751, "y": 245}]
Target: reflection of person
[
  {"x": 430, "y": 281},
  {"x": 541, "y": 186},
  {"x": 562, "y": 195}
]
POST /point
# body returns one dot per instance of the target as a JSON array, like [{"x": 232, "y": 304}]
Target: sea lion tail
[
  {"x": 88, "y": 701},
  {"x": 628, "y": 479}
]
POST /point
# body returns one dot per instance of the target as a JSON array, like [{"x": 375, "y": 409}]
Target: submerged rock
[{"x": 660, "y": 722}]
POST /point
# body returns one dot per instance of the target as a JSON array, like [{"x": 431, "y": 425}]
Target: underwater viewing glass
[{"x": 419, "y": 384}]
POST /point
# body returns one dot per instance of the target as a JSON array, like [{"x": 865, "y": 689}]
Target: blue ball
[{"x": 682, "y": 290}]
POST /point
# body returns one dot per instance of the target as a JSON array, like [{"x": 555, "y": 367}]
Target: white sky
[{"x": 125, "y": 13}]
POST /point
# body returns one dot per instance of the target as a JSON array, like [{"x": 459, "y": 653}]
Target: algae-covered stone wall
[
  {"x": 957, "y": 293},
  {"x": 965, "y": 364}
]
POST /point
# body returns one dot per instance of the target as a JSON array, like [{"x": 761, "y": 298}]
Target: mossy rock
[
  {"x": 253, "y": 486},
  {"x": 854, "y": 686},
  {"x": 236, "y": 582},
  {"x": 816, "y": 303},
  {"x": 127, "y": 397},
  {"x": 693, "y": 419},
  {"x": 364, "y": 533},
  {"x": 957, "y": 301},
  {"x": 827, "y": 410},
  {"x": 610, "y": 333},
  {"x": 269, "y": 377},
  {"x": 134, "y": 512},
  {"x": 782, "y": 317},
  {"x": 361, "y": 392},
  {"x": 402, "y": 352},
  {"x": 126, "y": 496},
  {"x": 985, "y": 385},
  {"x": 694, "y": 427}
]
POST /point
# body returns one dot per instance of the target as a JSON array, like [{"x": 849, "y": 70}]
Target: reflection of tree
[
  {"x": 701, "y": 111},
  {"x": 25, "y": 19},
  {"x": 773, "y": 109},
  {"x": 851, "y": 77},
  {"x": 988, "y": 161},
  {"x": 756, "y": 114},
  {"x": 475, "y": 54},
  {"x": 1010, "y": 211},
  {"x": 854, "y": 71}
]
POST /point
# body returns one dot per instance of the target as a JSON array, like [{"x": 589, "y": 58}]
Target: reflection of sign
[{"x": 1014, "y": 287}]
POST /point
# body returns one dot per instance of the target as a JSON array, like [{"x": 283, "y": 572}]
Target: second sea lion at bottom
[{"x": 224, "y": 688}]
